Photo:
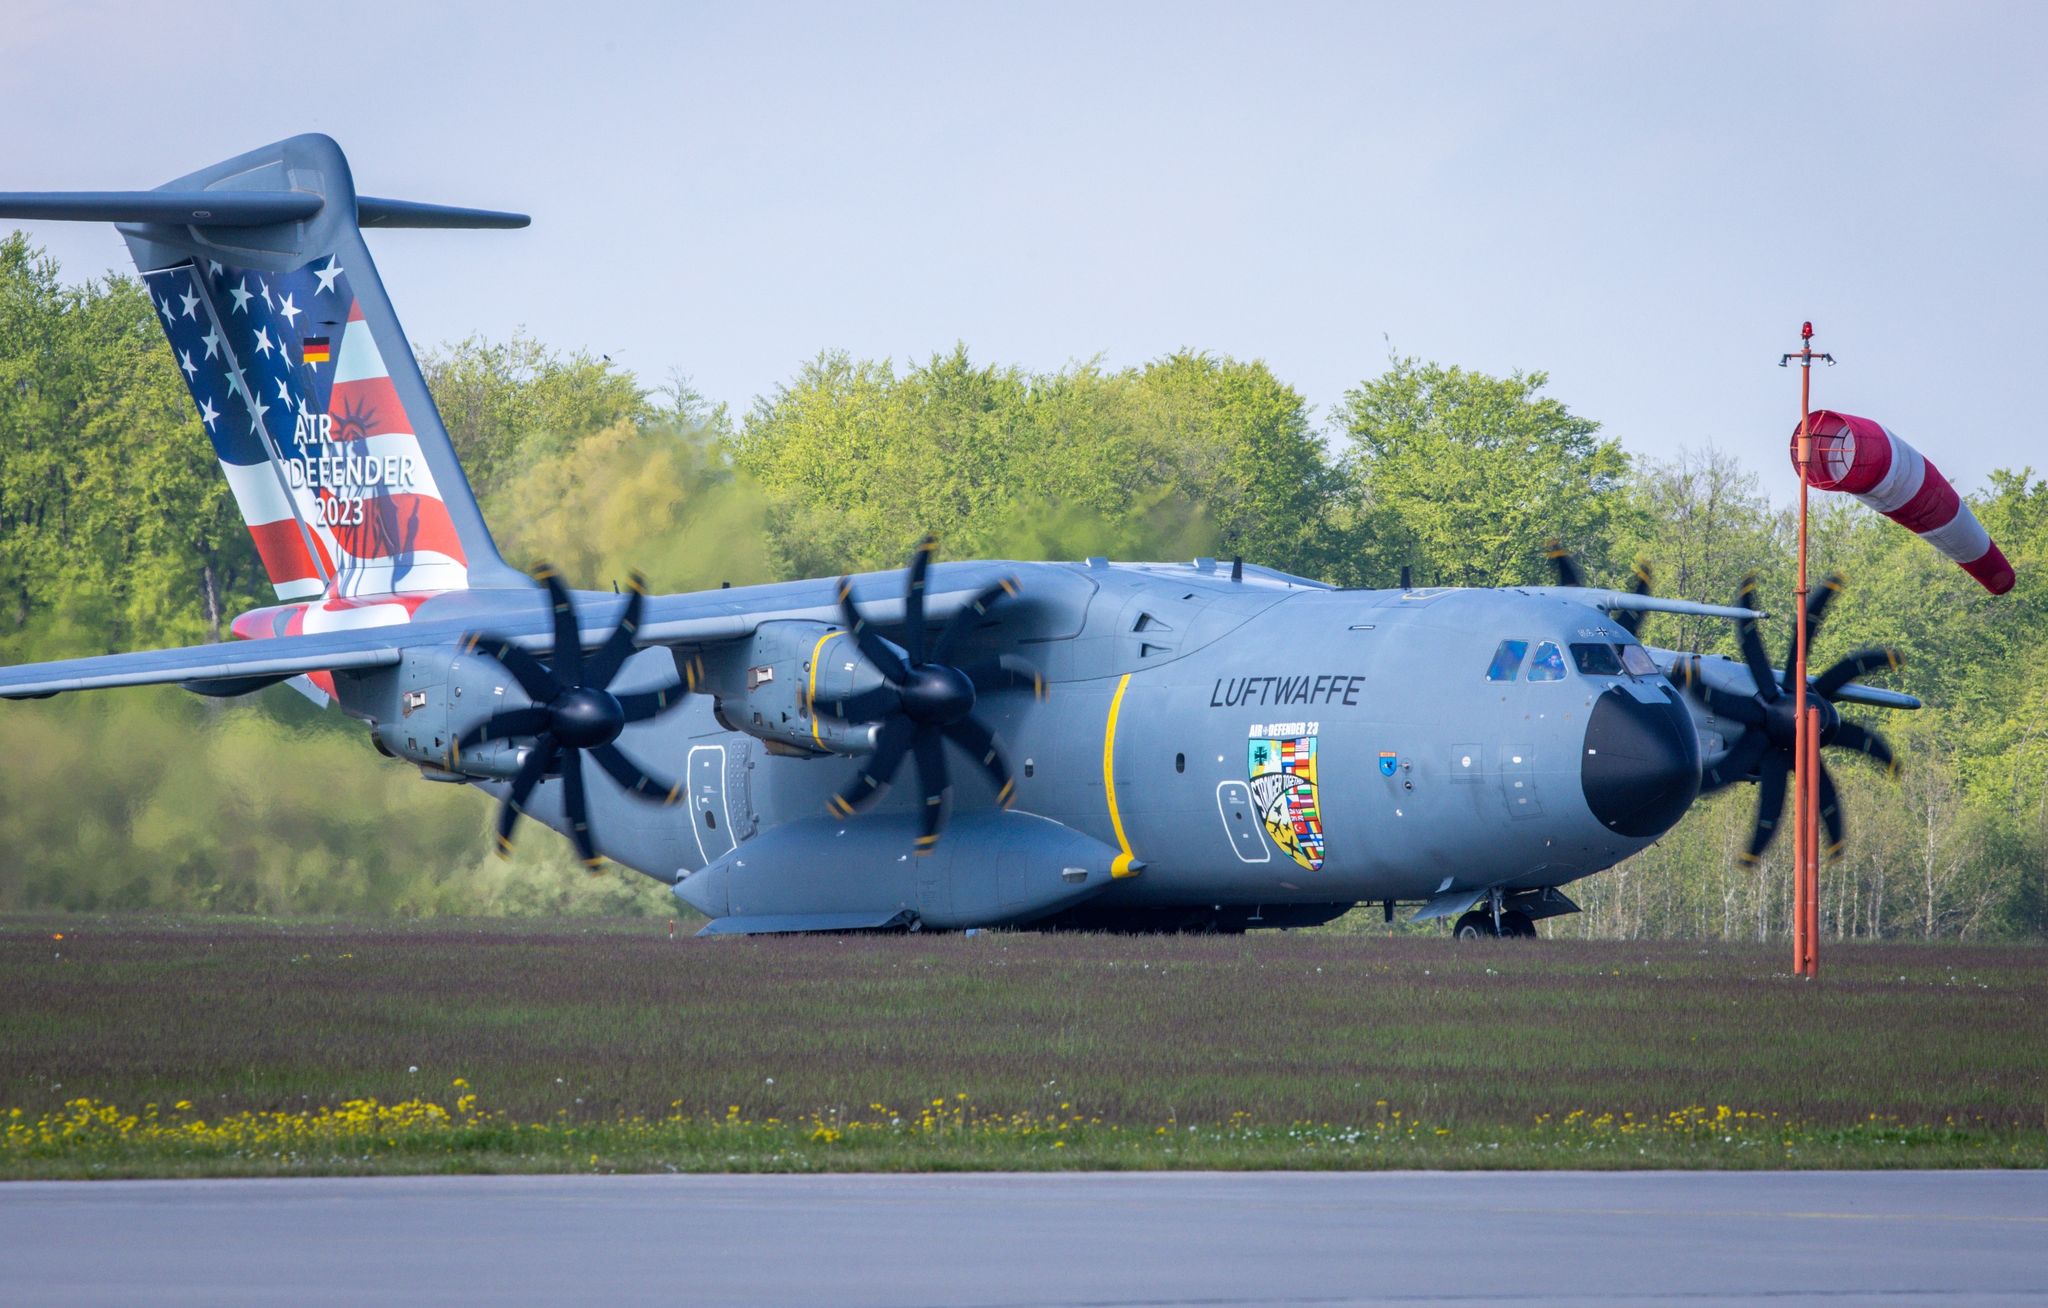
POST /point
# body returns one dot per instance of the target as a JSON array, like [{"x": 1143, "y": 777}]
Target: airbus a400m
[{"x": 1193, "y": 745}]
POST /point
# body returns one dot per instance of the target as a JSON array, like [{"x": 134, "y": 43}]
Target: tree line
[{"x": 117, "y": 531}]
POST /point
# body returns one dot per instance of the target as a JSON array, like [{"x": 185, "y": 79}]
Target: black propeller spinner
[
  {"x": 924, "y": 702},
  {"x": 573, "y": 714},
  {"x": 1569, "y": 573},
  {"x": 1769, "y": 718}
]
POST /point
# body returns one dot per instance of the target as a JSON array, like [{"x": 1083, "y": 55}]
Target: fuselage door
[
  {"x": 710, "y": 814},
  {"x": 1241, "y": 823},
  {"x": 1518, "y": 780}
]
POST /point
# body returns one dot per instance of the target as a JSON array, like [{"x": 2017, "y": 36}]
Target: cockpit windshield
[{"x": 1596, "y": 660}]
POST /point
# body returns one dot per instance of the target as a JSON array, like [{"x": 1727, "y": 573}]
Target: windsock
[{"x": 1861, "y": 458}]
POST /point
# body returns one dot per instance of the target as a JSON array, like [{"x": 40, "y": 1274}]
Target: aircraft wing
[
  {"x": 1622, "y": 601},
  {"x": 255, "y": 661},
  {"x": 694, "y": 619}
]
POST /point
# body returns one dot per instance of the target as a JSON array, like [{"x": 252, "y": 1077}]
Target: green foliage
[
  {"x": 1189, "y": 454},
  {"x": 1467, "y": 476},
  {"x": 507, "y": 403},
  {"x": 117, "y": 531}
]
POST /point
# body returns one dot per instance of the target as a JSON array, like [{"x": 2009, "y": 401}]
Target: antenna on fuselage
[
  {"x": 1407, "y": 578},
  {"x": 1237, "y": 567}
]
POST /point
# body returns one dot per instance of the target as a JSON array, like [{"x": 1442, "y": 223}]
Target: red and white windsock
[{"x": 1861, "y": 458}]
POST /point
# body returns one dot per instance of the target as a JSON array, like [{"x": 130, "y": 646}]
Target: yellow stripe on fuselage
[
  {"x": 1122, "y": 866},
  {"x": 816, "y": 651}
]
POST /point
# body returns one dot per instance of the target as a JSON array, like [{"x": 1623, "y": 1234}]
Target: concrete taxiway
[{"x": 1097, "y": 1240}]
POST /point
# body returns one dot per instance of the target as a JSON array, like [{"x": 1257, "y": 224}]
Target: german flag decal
[{"x": 316, "y": 350}]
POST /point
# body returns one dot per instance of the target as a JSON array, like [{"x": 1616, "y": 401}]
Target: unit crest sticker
[{"x": 1281, "y": 766}]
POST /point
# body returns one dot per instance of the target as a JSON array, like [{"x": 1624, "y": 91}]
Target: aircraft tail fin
[{"x": 302, "y": 377}]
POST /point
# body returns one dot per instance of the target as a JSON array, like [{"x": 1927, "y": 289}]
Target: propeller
[
  {"x": 1569, "y": 573},
  {"x": 924, "y": 701},
  {"x": 573, "y": 714},
  {"x": 1769, "y": 719}
]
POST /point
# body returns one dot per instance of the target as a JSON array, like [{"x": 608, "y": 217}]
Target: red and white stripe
[
  {"x": 1860, "y": 457},
  {"x": 408, "y": 527}
]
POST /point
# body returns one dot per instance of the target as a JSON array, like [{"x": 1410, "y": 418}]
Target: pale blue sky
[{"x": 1642, "y": 199}]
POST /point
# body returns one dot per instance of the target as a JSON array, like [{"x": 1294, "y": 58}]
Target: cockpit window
[
  {"x": 1507, "y": 660},
  {"x": 1637, "y": 661},
  {"x": 1548, "y": 664},
  {"x": 1596, "y": 660}
]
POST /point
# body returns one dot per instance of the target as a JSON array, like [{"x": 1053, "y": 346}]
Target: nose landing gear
[{"x": 1494, "y": 921}]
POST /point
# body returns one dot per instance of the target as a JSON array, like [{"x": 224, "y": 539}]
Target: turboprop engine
[{"x": 765, "y": 686}]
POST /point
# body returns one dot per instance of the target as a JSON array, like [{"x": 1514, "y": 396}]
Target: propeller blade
[
  {"x": 1759, "y": 663},
  {"x": 1856, "y": 736},
  {"x": 1830, "y": 812},
  {"x": 646, "y": 704},
  {"x": 871, "y": 644},
  {"x": 981, "y": 745},
  {"x": 1728, "y": 704},
  {"x": 636, "y": 780},
  {"x": 867, "y": 706},
  {"x": 1631, "y": 621},
  {"x": 1569, "y": 573},
  {"x": 892, "y": 742},
  {"x": 509, "y": 725},
  {"x": 533, "y": 678},
  {"x": 1770, "y": 805},
  {"x": 530, "y": 772},
  {"x": 568, "y": 650},
  {"x": 1736, "y": 764},
  {"x": 1830, "y": 683},
  {"x": 576, "y": 808},
  {"x": 970, "y": 617},
  {"x": 913, "y": 599},
  {"x": 618, "y": 646},
  {"x": 1817, "y": 602},
  {"x": 933, "y": 786},
  {"x": 1005, "y": 672}
]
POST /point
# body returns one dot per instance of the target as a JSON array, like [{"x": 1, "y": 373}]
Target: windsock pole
[{"x": 1805, "y": 848}]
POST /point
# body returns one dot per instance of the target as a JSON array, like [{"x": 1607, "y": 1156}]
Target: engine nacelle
[
  {"x": 764, "y": 687},
  {"x": 434, "y": 694}
]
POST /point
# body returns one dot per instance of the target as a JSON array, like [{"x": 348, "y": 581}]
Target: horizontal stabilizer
[
  {"x": 374, "y": 211},
  {"x": 237, "y": 209},
  {"x": 181, "y": 208}
]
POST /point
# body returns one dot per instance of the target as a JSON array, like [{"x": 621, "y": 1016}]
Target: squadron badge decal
[{"x": 1282, "y": 769}]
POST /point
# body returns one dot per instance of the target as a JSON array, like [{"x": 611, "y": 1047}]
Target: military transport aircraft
[{"x": 1123, "y": 746}]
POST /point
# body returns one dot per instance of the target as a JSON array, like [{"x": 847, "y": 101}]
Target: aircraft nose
[{"x": 1641, "y": 768}]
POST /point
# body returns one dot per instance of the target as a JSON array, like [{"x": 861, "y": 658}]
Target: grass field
[{"x": 155, "y": 1046}]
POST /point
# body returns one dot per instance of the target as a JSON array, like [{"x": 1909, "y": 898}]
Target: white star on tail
[
  {"x": 190, "y": 302},
  {"x": 328, "y": 274},
  {"x": 263, "y": 345},
  {"x": 212, "y": 343},
  {"x": 242, "y": 296},
  {"x": 284, "y": 391},
  {"x": 185, "y": 362},
  {"x": 288, "y": 311},
  {"x": 208, "y": 414}
]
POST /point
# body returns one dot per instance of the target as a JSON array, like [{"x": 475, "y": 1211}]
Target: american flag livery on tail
[{"x": 324, "y": 461}]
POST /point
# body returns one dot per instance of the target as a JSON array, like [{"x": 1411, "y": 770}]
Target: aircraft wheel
[
  {"x": 1475, "y": 925},
  {"x": 1517, "y": 926}
]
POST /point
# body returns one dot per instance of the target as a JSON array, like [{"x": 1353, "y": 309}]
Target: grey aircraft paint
[{"x": 1181, "y": 745}]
